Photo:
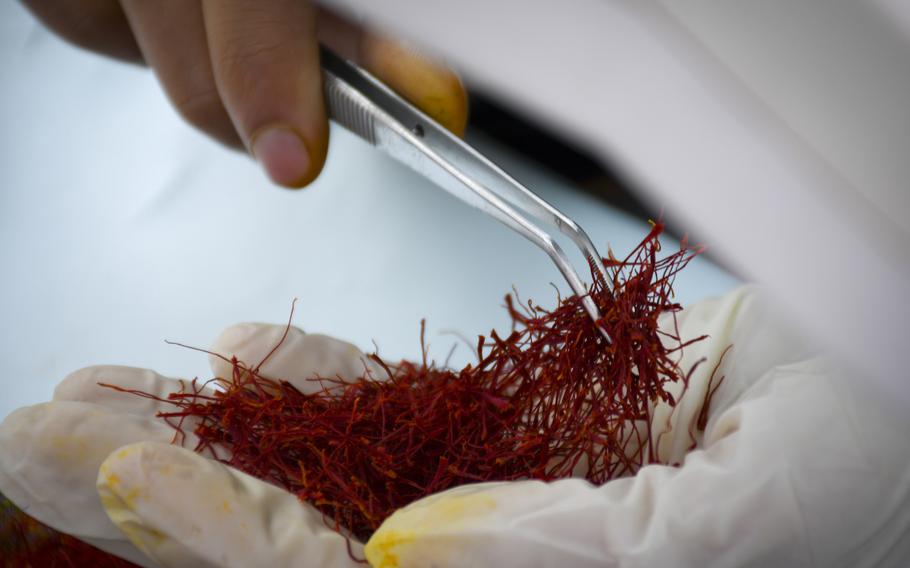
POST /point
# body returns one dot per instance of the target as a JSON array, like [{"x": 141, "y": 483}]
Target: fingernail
[{"x": 283, "y": 155}]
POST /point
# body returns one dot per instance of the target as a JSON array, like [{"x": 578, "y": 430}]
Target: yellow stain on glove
[
  {"x": 119, "y": 501},
  {"x": 401, "y": 538}
]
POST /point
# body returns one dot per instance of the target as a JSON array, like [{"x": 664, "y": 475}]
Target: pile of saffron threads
[
  {"x": 27, "y": 543},
  {"x": 550, "y": 400}
]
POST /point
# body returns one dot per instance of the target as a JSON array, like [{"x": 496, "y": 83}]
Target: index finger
[
  {"x": 265, "y": 59},
  {"x": 297, "y": 357}
]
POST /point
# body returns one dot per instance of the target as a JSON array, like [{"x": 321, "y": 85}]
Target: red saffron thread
[
  {"x": 27, "y": 543},
  {"x": 547, "y": 401}
]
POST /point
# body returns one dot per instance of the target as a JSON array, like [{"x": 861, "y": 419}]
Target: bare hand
[{"x": 246, "y": 72}]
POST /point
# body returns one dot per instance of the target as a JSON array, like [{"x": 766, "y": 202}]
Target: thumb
[{"x": 266, "y": 68}]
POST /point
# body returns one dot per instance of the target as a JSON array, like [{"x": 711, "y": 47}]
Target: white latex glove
[
  {"x": 178, "y": 508},
  {"x": 797, "y": 466}
]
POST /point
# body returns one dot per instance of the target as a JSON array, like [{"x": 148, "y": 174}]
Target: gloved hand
[
  {"x": 247, "y": 73},
  {"x": 177, "y": 507},
  {"x": 796, "y": 466},
  {"x": 793, "y": 466}
]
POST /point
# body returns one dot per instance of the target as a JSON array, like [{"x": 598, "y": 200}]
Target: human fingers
[
  {"x": 266, "y": 66},
  {"x": 137, "y": 392},
  {"x": 49, "y": 459},
  {"x": 84, "y": 385},
  {"x": 247, "y": 72},
  {"x": 171, "y": 35},
  {"x": 722, "y": 323},
  {"x": 433, "y": 88},
  {"x": 746, "y": 338},
  {"x": 785, "y": 449},
  {"x": 265, "y": 59},
  {"x": 427, "y": 84},
  {"x": 788, "y": 476},
  {"x": 50, "y": 453},
  {"x": 296, "y": 358},
  {"x": 182, "y": 510},
  {"x": 96, "y": 25}
]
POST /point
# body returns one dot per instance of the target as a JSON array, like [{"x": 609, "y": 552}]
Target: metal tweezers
[{"x": 365, "y": 106}]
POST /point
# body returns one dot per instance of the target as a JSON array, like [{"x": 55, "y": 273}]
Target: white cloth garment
[{"x": 797, "y": 466}]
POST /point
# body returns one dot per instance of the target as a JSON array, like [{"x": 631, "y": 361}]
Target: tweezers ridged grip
[{"x": 346, "y": 107}]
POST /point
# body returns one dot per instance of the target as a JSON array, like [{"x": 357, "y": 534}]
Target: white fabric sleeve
[{"x": 797, "y": 466}]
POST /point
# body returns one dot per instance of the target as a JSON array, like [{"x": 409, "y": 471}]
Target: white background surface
[{"x": 121, "y": 227}]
